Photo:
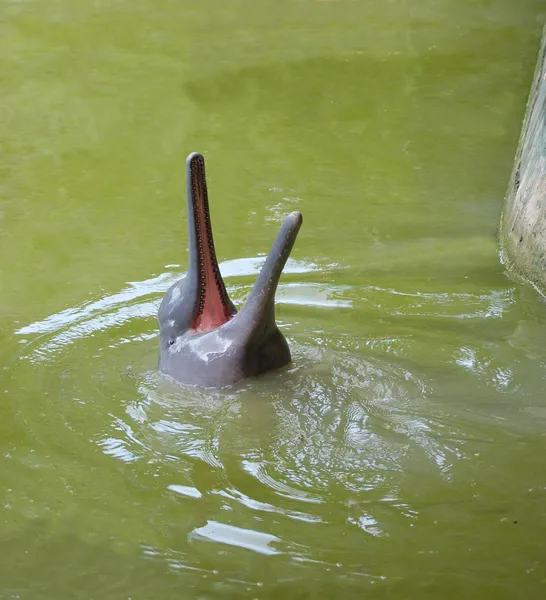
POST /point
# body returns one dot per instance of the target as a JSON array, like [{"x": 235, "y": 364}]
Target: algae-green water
[{"x": 401, "y": 455}]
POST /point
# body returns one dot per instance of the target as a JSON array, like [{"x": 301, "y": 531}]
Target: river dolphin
[{"x": 203, "y": 340}]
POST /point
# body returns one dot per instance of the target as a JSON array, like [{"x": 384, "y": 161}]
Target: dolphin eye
[{"x": 171, "y": 342}]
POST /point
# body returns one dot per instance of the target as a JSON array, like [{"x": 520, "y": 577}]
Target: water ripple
[{"x": 329, "y": 441}]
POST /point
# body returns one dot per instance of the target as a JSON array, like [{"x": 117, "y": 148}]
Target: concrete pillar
[{"x": 523, "y": 223}]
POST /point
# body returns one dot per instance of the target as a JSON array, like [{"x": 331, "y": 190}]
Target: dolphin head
[{"x": 199, "y": 304}]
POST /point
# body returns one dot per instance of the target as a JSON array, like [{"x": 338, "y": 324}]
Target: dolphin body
[{"x": 203, "y": 340}]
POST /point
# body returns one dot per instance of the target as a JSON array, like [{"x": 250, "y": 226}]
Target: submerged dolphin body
[{"x": 203, "y": 340}]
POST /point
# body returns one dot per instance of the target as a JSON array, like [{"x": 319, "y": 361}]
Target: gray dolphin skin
[{"x": 203, "y": 340}]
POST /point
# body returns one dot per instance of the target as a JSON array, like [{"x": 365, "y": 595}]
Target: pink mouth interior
[
  {"x": 214, "y": 308},
  {"x": 214, "y": 313}
]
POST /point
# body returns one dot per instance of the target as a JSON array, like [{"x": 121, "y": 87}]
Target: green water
[{"x": 402, "y": 453}]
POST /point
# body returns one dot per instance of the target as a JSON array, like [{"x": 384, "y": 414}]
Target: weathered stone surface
[{"x": 523, "y": 224}]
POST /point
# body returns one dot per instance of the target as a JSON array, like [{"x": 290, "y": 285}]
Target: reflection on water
[
  {"x": 236, "y": 536},
  {"x": 133, "y": 303},
  {"x": 140, "y": 300}
]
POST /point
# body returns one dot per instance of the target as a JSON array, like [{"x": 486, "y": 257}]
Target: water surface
[{"x": 401, "y": 454}]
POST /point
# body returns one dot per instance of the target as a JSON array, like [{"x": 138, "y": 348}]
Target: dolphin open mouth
[{"x": 214, "y": 308}]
